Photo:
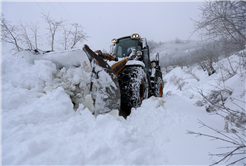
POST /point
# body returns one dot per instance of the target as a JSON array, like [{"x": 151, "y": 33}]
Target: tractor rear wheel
[
  {"x": 159, "y": 87},
  {"x": 134, "y": 88}
]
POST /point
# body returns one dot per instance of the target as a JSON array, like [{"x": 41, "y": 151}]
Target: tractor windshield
[{"x": 123, "y": 47}]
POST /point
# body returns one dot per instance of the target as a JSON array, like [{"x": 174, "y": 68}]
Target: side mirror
[{"x": 157, "y": 59}]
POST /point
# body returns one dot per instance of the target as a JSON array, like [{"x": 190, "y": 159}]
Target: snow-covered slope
[
  {"x": 173, "y": 48},
  {"x": 40, "y": 126}
]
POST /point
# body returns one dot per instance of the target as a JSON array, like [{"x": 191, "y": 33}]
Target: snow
[
  {"x": 41, "y": 127},
  {"x": 135, "y": 62},
  {"x": 60, "y": 58},
  {"x": 105, "y": 89},
  {"x": 129, "y": 62}
]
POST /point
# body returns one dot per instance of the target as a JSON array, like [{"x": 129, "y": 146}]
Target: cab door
[{"x": 146, "y": 58}]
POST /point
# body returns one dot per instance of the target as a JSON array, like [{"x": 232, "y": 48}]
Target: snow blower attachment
[{"x": 124, "y": 84}]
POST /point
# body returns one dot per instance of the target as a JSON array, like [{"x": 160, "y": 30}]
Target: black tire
[
  {"x": 158, "y": 87},
  {"x": 134, "y": 88}
]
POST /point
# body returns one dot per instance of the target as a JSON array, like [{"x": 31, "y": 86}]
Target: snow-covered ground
[{"x": 40, "y": 126}]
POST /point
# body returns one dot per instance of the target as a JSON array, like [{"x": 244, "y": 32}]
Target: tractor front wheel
[{"x": 134, "y": 88}]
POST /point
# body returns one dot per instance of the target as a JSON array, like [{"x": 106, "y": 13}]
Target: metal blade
[{"x": 105, "y": 88}]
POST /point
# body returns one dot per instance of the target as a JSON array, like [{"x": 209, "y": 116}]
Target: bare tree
[
  {"x": 238, "y": 142},
  {"x": 10, "y": 34},
  {"x": 34, "y": 29},
  {"x": 223, "y": 19},
  {"x": 234, "y": 114},
  {"x": 177, "y": 81},
  {"x": 53, "y": 27},
  {"x": 25, "y": 37},
  {"x": 228, "y": 46},
  {"x": 77, "y": 34},
  {"x": 65, "y": 39},
  {"x": 206, "y": 56},
  {"x": 235, "y": 120},
  {"x": 152, "y": 45},
  {"x": 72, "y": 36},
  {"x": 192, "y": 73},
  {"x": 19, "y": 35}
]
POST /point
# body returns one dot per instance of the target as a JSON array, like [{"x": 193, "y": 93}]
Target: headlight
[
  {"x": 135, "y": 35},
  {"x": 114, "y": 40}
]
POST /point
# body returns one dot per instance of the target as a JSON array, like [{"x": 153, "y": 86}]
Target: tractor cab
[
  {"x": 124, "y": 45},
  {"x": 122, "y": 48}
]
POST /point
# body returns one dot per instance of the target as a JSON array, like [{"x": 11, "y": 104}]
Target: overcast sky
[{"x": 102, "y": 21}]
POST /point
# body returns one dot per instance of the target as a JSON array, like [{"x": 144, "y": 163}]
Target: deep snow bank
[
  {"x": 42, "y": 133},
  {"x": 39, "y": 74},
  {"x": 40, "y": 126}
]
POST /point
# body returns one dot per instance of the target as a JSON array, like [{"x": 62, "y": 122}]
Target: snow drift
[{"x": 40, "y": 124}]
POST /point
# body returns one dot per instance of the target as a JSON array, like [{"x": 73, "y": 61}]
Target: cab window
[{"x": 123, "y": 47}]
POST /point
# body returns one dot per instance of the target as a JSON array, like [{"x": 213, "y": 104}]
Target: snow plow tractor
[{"x": 123, "y": 78}]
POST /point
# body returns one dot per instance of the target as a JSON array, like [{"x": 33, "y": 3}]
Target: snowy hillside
[
  {"x": 173, "y": 48},
  {"x": 40, "y": 126}
]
